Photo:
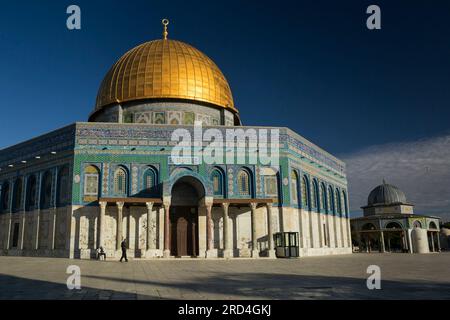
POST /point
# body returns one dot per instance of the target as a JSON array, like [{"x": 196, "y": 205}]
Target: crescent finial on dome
[{"x": 165, "y": 23}]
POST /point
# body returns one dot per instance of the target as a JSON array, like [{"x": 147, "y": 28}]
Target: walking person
[{"x": 123, "y": 245}]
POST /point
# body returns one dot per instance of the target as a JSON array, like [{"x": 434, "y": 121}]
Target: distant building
[{"x": 390, "y": 225}]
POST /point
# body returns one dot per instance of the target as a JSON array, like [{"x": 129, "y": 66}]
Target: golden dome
[{"x": 165, "y": 69}]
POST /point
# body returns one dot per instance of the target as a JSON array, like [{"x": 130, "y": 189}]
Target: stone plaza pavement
[{"x": 404, "y": 276}]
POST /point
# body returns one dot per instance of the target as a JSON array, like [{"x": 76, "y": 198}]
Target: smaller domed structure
[
  {"x": 386, "y": 194},
  {"x": 390, "y": 225}
]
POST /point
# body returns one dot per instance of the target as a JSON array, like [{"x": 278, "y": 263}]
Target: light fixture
[
  {"x": 53, "y": 152},
  {"x": 38, "y": 157},
  {"x": 10, "y": 165},
  {"x": 24, "y": 161}
]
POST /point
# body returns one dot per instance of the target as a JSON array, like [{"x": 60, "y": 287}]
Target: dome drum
[{"x": 165, "y": 111}]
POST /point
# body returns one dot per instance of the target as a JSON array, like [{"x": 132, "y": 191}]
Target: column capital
[
  {"x": 253, "y": 205},
  {"x": 269, "y": 205},
  {"x": 207, "y": 201},
  {"x": 149, "y": 205},
  {"x": 102, "y": 204},
  {"x": 225, "y": 205},
  {"x": 120, "y": 205},
  {"x": 167, "y": 201}
]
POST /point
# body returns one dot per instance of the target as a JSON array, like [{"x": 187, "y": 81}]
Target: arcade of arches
[{"x": 188, "y": 226}]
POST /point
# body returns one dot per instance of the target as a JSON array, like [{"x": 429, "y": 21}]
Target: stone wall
[
  {"x": 40, "y": 233},
  {"x": 77, "y": 237}
]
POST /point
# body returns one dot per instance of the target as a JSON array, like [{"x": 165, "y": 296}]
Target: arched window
[
  {"x": 17, "y": 195},
  {"x": 294, "y": 187},
  {"x": 270, "y": 182},
  {"x": 344, "y": 194},
  {"x": 315, "y": 195},
  {"x": 368, "y": 226},
  {"x": 91, "y": 183},
  {"x": 306, "y": 203},
  {"x": 417, "y": 224},
  {"x": 432, "y": 225},
  {"x": 331, "y": 200},
  {"x": 323, "y": 198},
  {"x": 243, "y": 182},
  {"x": 31, "y": 193},
  {"x": 394, "y": 225},
  {"x": 217, "y": 181},
  {"x": 63, "y": 186},
  {"x": 4, "y": 205},
  {"x": 338, "y": 202},
  {"x": 150, "y": 181},
  {"x": 46, "y": 190},
  {"x": 120, "y": 182}
]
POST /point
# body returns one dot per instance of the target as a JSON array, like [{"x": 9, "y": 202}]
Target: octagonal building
[{"x": 115, "y": 177}]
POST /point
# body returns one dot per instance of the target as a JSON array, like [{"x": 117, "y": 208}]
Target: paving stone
[{"x": 403, "y": 276}]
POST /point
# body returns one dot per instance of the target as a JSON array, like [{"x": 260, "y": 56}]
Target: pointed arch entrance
[{"x": 185, "y": 197}]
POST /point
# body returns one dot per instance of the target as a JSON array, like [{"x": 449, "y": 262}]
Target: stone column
[
  {"x": 150, "y": 243},
  {"x": 227, "y": 252},
  {"x": 22, "y": 231},
  {"x": 209, "y": 229},
  {"x": 52, "y": 227},
  {"x": 335, "y": 230},
  {"x": 36, "y": 232},
  {"x": 166, "y": 253},
  {"x": 37, "y": 207},
  {"x": 255, "y": 251},
  {"x": 271, "y": 249},
  {"x": 410, "y": 243},
  {"x": 383, "y": 249},
  {"x": 349, "y": 232},
  {"x": 9, "y": 223},
  {"x": 438, "y": 241},
  {"x": 432, "y": 241},
  {"x": 342, "y": 226},
  {"x": 405, "y": 240},
  {"x": 210, "y": 252},
  {"x": 119, "y": 224},
  {"x": 101, "y": 223}
]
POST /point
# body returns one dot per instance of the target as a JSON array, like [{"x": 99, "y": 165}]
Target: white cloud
[{"x": 421, "y": 169}]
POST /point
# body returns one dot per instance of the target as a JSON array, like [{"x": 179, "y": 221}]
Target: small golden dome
[{"x": 165, "y": 69}]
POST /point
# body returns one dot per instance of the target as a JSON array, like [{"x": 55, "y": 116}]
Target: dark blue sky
[{"x": 309, "y": 65}]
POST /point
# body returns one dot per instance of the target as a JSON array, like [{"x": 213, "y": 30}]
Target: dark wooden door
[
  {"x": 184, "y": 230},
  {"x": 182, "y": 236}
]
